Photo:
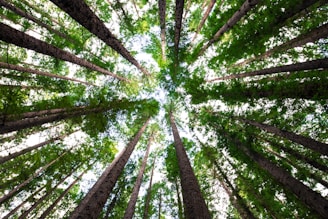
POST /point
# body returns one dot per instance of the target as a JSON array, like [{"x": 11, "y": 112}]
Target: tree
[
  {"x": 195, "y": 206},
  {"x": 148, "y": 196},
  {"x": 162, "y": 13}
]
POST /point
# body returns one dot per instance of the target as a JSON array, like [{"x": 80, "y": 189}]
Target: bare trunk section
[
  {"x": 37, "y": 72},
  {"x": 162, "y": 14},
  {"x": 195, "y": 206},
  {"x": 244, "y": 9},
  {"x": 110, "y": 207},
  {"x": 178, "y": 21},
  {"x": 12, "y": 192},
  {"x": 204, "y": 18},
  {"x": 92, "y": 204},
  {"x": 81, "y": 12},
  {"x": 310, "y": 143},
  {"x": 159, "y": 206},
  {"x": 313, "y": 36},
  {"x": 148, "y": 196},
  {"x": 301, "y": 66},
  {"x": 180, "y": 207},
  {"x": 11, "y": 35},
  {"x": 129, "y": 212}
]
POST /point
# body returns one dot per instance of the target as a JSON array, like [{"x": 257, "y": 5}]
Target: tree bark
[
  {"x": 81, "y": 12},
  {"x": 178, "y": 21},
  {"x": 195, "y": 206},
  {"x": 12, "y": 192},
  {"x": 244, "y": 9},
  {"x": 37, "y": 72},
  {"x": 312, "y": 36},
  {"x": 129, "y": 212},
  {"x": 301, "y": 66},
  {"x": 310, "y": 143},
  {"x": 148, "y": 196},
  {"x": 11, "y": 35},
  {"x": 204, "y": 18},
  {"x": 162, "y": 14},
  {"x": 92, "y": 204},
  {"x": 180, "y": 207}
]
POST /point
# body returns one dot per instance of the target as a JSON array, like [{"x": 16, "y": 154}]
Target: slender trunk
[
  {"x": 243, "y": 10},
  {"x": 110, "y": 207},
  {"x": 35, "y": 20},
  {"x": 162, "y": 14},
  {"x": 180, "y": 208},
  {"x": 51, "y": 207},
  {"x": 37, "y": 121},
  {"x": 310, "y": 143},
  {"x": 148, "y": 196},
  {"x": 178, "y": 21},
  {"x": 98, "y": 194},
  {"x": 11, "y": 35},
  {"x": 48, "y": 193},
  {"x": 37, "y": 72},
  {"x": 81, "y": 12},
  {"x": 301, "y": 66},
  {"x": 129, "y": 212},
  {"x": 187, "y": 9},
  {"x": 159, "y": 205},
  {"x": 309, "y": 197},
  {"x": 195, "y": 206},
  {"x": 33, "y": 176},
  {"x": 204, "y": 18},
  {"x": 312, "y": 36}
]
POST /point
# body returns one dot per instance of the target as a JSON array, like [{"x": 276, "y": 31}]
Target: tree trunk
[
  {"x": 51, "y": 207},
  {"x": 301, "y": 66},
  {"x": 204, "y": 18},
  {"x": 37, "y": 121},
  {"x": 178, "y": 20},
  {"x": 12, "y": 192},
  {"x": 81, "y": 12},
  {"x": 129, "y": 212},
  {"x": 312, "y": 36},
  {"x": 310, "y": 143},
  {"x": 244, "y": 9},
  {"x": 162, "y": 14},
  {"x": 159, "y": 206},
  {"x": 180, "y": 207},
  {"x": 309, "y": 197},
  {"x": 148, "y": 196},
  {"x": 195, "y": 206},
  {"x": 11, "y": 35},
  {"x": 37, "y": 72},
  {"x": 92, "y": 204},
  {"x": 110, "y": 207}
]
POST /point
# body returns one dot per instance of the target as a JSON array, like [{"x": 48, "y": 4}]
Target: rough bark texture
[
  {"x": 204, "y": 18},
  {"x": 12, "y": 192},
  {"x": 129, "y": 212},
  {"x": 244, "y": 9},
  {"x": 162, "y": 14},
  {"x": 178, "y": 20},
  {"x": 302, "y": 66},
  {"x": 312, "y": 36},
  {"x": 91, "y": 206},
  {"x": 310, "y": 143},
  {"x": 195, "y": 206},
  {"x": 37, "y": 72},
  {"x": 11, "y": 35},
  {"x": 81, "y": 12},
  {"x": 148, "y": 196}
]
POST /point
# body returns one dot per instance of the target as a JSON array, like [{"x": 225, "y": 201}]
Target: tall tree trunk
[
  {"x": 195, "y": 206},
  {"x": 162, "y": 14},
  {"x": 309, "y": 197},
  {"x": 12, "y": 192},
  {"x": 148, "y": 196},
  {"x": 312, "y": 36},
  {"x": 98, "y": 194},
  {"x": 81, "y": 12},
  {"x": 110, "y": 207},
  {"x": 37, "y": 72},
  {"x": 11, "y": 35},
  {"x": 51, "y": 207},
  {"x": 129, "y": 212},
  {"x": 180, "y": 207},
  {"x": 204, "y": 18},
  {"x": 243, "y": 10},
  {"x": 178, "y": 21},
  {"x": 310, "y": 143},
  {"x": 37, "y": 121},
  {"x": 46, "y": 195},
  {"x": 160, "y": 206},
  {"x": 301, "y": 66}
]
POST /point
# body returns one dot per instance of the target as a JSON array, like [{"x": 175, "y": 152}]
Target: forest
[{"x": 185, "y": 109}]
